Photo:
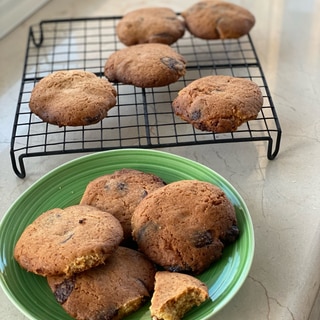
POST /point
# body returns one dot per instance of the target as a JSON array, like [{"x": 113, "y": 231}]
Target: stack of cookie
[
  {"x": 129, "y": 238},
  {"x": 216, "y": 103},
  {"x": 77, "y": 249}
]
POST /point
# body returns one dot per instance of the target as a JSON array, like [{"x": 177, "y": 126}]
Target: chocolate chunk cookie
[
  {"x": 120, "y": 192},
  {"x": 145, "y": 65},
  {"x": 214, "y": 19},
  {"x": 110, "y": 291},
  {"x": 72, "y": 98},
  {"x": 150, "y": 25},
  {"x": 175, "y": 294},
  {"x": 185, "y": 225},
  {"x": 66, "y": 241},
  {"x": 218, "y": 103}
]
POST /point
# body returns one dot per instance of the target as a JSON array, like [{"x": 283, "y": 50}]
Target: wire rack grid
[{"x": 142, "y": 118}]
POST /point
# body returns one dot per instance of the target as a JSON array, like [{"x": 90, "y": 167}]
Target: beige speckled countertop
[{"x": 282, "y": 195}]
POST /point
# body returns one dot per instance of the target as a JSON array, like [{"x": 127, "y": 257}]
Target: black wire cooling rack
[{"x": 143, "y": 118}]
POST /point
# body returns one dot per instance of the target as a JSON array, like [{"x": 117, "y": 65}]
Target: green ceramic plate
[{"x": 64, "y": 186}]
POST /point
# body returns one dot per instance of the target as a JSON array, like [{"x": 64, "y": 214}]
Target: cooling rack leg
[
  {"x": 37, "y": 42},
  {"x": 22, "y": 172},
  {"x": 272, "y": 154}
]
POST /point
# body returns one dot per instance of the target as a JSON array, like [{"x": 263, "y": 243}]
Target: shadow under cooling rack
[{"x": 142, "y": 118}]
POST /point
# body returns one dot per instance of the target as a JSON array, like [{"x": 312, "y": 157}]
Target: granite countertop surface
[{"x": 282, "y": 194}]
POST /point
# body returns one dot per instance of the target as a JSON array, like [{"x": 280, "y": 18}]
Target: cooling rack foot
[
  {"x": 19, "y": 169},
  {"x": 271, "y": 154}
]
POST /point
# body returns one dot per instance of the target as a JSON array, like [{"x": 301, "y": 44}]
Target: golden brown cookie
[
  {"x": 214, "y": 19},
  {"x": 72, "y": 98},
  {"x": 66, "y": 241},
  {"x": 120, "y": 192},
  {"x": 175, "y": 294},
  {"x": 110, "y": 291},
  {"x": 218, "y": 103},
  {"x": 150, "y": 25},
  {"x": 145, "y": 65},
  {"x": 184, "y": 225}
]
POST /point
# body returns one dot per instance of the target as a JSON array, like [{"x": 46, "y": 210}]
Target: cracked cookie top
[
  {"x": 72, "y": 98},
  {"x": 214, "y": 19},
  {"x": 150, "y": 25},
  {"x": 185, "y": 225},
  {"x": 119, "y": 193},
  {"x": 110, "y": 291},
  {"x": 67, "y": 241},
  {"x": 218, "y": 103},
  {"x": 145, "y": 65}
]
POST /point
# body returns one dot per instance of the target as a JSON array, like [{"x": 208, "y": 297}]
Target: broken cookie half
[{"x": 175, "y": 294}]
